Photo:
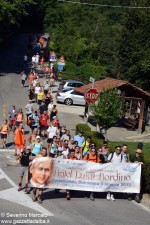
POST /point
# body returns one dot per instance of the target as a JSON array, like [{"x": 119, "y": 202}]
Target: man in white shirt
[
  {"x": 33, "y": 60},
  {"x": 114, "y": 157},
  {"x": 29, "y": 108},
  {"x": 52, "y": 130}
]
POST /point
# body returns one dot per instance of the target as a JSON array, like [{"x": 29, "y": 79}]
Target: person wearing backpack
[
  {"x": 125, "y": 155},
  {"x": 114, "y": 157},
  {"x": 92, "y": 157}
]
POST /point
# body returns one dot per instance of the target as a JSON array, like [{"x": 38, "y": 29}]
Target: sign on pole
[
  {"x": 91, "y": 95},
  {"x": 53, "y": 57}
]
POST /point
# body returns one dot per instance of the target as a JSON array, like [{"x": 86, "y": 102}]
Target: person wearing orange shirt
[
  {"x": 92, "y": 157},
  {"x": 31, "y": 78},
  {"x": 19, "y": 138}
]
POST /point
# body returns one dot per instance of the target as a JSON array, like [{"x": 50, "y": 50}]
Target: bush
[
  {"x": 98, "y": 138},
  {"x": 146, "y": 176},
  {"x": 83, "y": 127}
]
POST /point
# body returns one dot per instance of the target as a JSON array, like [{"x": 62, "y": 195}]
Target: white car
[
  {"x": 70, "y": 97},
  {"x": 70, "y": 84}
]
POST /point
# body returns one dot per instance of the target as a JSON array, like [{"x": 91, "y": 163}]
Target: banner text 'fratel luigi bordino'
[{"x": 89, "y": 176}]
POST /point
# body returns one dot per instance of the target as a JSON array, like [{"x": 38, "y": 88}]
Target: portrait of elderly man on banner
[{"x": 40, "y": 171}]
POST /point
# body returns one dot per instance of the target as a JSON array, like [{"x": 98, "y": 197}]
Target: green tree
[
  {"x": 108, "y": 109},
  {"x": 135, "y": 46},
  {"x": 11, "y": 12}
]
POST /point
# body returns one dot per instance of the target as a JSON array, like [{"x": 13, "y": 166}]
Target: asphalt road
[{"x": 16, "y": 207}]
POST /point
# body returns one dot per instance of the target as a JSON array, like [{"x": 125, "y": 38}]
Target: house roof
[{"x": 109, "y": 83}]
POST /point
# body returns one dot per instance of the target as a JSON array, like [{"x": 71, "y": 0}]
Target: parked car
[
  {"x": 66, "y": 84},
  {"x": 70, "y": 97}
]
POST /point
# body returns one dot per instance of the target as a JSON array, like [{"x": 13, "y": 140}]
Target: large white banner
[{"x": 87, "y": 176}]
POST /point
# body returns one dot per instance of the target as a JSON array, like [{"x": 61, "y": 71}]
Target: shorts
[
  {"x": 12, "y": 122},
  {"x": 39, "y": 102},
  {"x": 43, "y": 127},
  {"x": 18, "y": 123},
  {"x": 45, "y": 92},
  {"x": 3, "y": 136},
  {"x": 23, "y": 82},
  {"x": 52, "y": 155},
  {"x": 23, "y": 170},
  {"x": 49, "y": 140}
]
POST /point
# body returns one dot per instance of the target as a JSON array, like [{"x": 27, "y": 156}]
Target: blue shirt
[
  {"x": 37, "y": 148},
  {"x": 79, "y": 139}
]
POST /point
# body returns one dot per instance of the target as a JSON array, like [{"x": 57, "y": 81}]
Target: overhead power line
[{"x": 108, "y": 6}]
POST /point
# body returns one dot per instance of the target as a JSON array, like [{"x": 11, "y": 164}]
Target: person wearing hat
[
  {"x": 37, "y": 146},
  {"x": 137, "y": 158},
  {"x": 24, "y": 158}
]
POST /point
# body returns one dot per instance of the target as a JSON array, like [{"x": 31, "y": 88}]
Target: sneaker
[
  {"x": 19, "y": 188},
  {"x": 137, "y": 199},
  {"x": 130, "y": 199},
  {"x": 39, "y": 199},
  {"x": 112, "y": 198},
  {"x": 92, "y": 197},
  {"x": 27, "y": 190},
  {"x": 108, "y": 196},
  {"x": 34, "y": 196},
  {"x": 68, "y": 196}
]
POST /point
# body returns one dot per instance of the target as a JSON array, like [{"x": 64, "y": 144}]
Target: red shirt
[{"x": 44, "y": 120}]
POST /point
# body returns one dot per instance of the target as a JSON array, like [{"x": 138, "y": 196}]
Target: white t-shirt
[
  {"x": 115, "y": 159},
  {"x": 66, "y": 152},
  {"x": 33, "y": 59},
  {"x": 52, "y": 131},
  {"x": 37, "y": 89},
  {"x": 50, "y": 106}
]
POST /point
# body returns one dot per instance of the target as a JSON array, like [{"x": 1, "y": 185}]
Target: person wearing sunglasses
[
  {"x": 114, "y": 157},
  {"x": 92, "y": 157},
  {"x": 101, "y": 156}
]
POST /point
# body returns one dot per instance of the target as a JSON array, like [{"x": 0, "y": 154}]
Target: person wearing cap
[
  {"x": 137, "y": 158},
  {"x": 37, "y": 146},
  {"x": 79, "y": 138},
  {"x": 24, "y": 158}
]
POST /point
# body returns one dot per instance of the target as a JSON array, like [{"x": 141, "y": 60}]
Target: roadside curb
[{"x": 6, "y": 150}]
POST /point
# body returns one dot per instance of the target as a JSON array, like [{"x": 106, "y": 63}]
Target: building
[{"x": 136, "y": 101}]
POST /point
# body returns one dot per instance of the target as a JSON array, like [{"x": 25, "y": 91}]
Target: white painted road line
[{"x": 21, "y": 198}]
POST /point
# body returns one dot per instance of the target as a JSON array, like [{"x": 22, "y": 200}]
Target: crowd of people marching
[{"x": 49, "y": 138}]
